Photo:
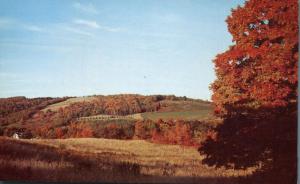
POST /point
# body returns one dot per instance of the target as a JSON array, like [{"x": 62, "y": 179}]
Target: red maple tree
[
  {"x": 260, "y": 69},
  {"x": 256, "y": 92}
]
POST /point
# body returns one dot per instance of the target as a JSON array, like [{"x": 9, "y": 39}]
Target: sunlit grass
[{"x": 182, "y": 115}]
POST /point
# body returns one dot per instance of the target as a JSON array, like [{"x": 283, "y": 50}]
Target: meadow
[
  {"x": 204, "y": 114},
  {"x": 67, "y": 102},
  {"x": 94, "y": 160}
]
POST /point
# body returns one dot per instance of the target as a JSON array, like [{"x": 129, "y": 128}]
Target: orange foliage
[
  {"x": 173, "y": 132},
  {"x": 256, "y": 92},
  {"x": 79, "y": 130},
  {"x": 59, "y": 133},
  {"x": 211, "y": 135},
  {"x": 260, "y": 69}
]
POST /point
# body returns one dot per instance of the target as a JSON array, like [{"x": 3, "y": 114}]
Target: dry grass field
[
  {"x": 204, "y": 114},
  {"x": 90, "y": 159},
  {"x": 56, "y": 106},
  {"x": 170, "y": 105}
]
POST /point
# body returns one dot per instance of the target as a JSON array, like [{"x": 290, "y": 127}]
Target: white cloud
[
  {"x": 88, "y": 8},
  {"x": 83, "y": 26},
  {"x": 87, "y": 23},
  {"x": 16, "y": 24},
  {"x": 94, "y": 25}
]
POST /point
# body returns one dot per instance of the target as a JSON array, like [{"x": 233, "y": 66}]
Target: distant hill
[
  {"x": 165, "y": 107},
  {"x": 168, "y": 103},
  {"x": 47, "y": 116}
]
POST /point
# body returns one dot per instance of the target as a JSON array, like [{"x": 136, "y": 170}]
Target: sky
[{"x": 76, "y": 48}]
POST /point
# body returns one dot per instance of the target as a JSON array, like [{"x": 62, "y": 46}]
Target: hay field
[
  {"x": 107, "y": 160},
  {"x": 56, "y": 106},
  {"x": 204, "y": 114},
  {"x": 154, "y": 159}
]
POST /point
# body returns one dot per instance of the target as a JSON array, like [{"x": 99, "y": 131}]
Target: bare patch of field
[
  {"x": 204, "y": 114},
  {"x": 170, "y": 106},
  {"x": 56, "y": 106}
]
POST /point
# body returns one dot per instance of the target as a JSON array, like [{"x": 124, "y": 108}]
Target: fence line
[{"x": 109, "y": 117}]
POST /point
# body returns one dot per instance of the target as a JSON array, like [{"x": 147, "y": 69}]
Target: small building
[{"x": 16, "y": 136}]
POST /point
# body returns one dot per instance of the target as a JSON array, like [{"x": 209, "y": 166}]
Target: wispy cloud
[
  {"x": 94, "y": 25},
  {"x": 87, "y": 23},
  {"x": 88, "y": 8},
  {"x": 77, "y": 26},
  {"x": 56, "y": 28},
  {"x": 10, "y": 23}
]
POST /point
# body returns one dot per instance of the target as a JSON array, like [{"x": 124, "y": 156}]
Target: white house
[{"x": 16, "y": 136}]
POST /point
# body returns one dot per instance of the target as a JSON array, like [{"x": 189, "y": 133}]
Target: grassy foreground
[{"x": 106, "y": 160}]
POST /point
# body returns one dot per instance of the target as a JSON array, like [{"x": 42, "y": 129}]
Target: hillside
[
  {"x": 94, "y": 116},
  {"x": 67, "y": 102},
  {"x": 162, "y": 103}
]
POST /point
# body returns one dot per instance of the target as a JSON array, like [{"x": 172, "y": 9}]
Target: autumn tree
[
  {"x": 256, "y": 90},
  {"x": 260, "y": 69},
  {"x": 86, "y": 132},
  {"x": 59, "y": 133},
  {"x": 172, "y": 132},
  {"x": 79, "y": 129},
  {"x": 183, "y": 133},
  {"x": 113, "y": 131}
]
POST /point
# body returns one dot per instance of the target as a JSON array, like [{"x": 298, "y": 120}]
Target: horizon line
[{"x": 114, "y": 94}]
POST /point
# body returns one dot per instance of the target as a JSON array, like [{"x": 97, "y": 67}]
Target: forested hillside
[{"x": 161, "y": 117}]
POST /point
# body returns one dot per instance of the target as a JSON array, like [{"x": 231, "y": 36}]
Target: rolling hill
[{"x": 112, "y": 116}]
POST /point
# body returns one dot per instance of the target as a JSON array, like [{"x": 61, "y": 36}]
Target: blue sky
[{"x": 76, "y": 48}]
